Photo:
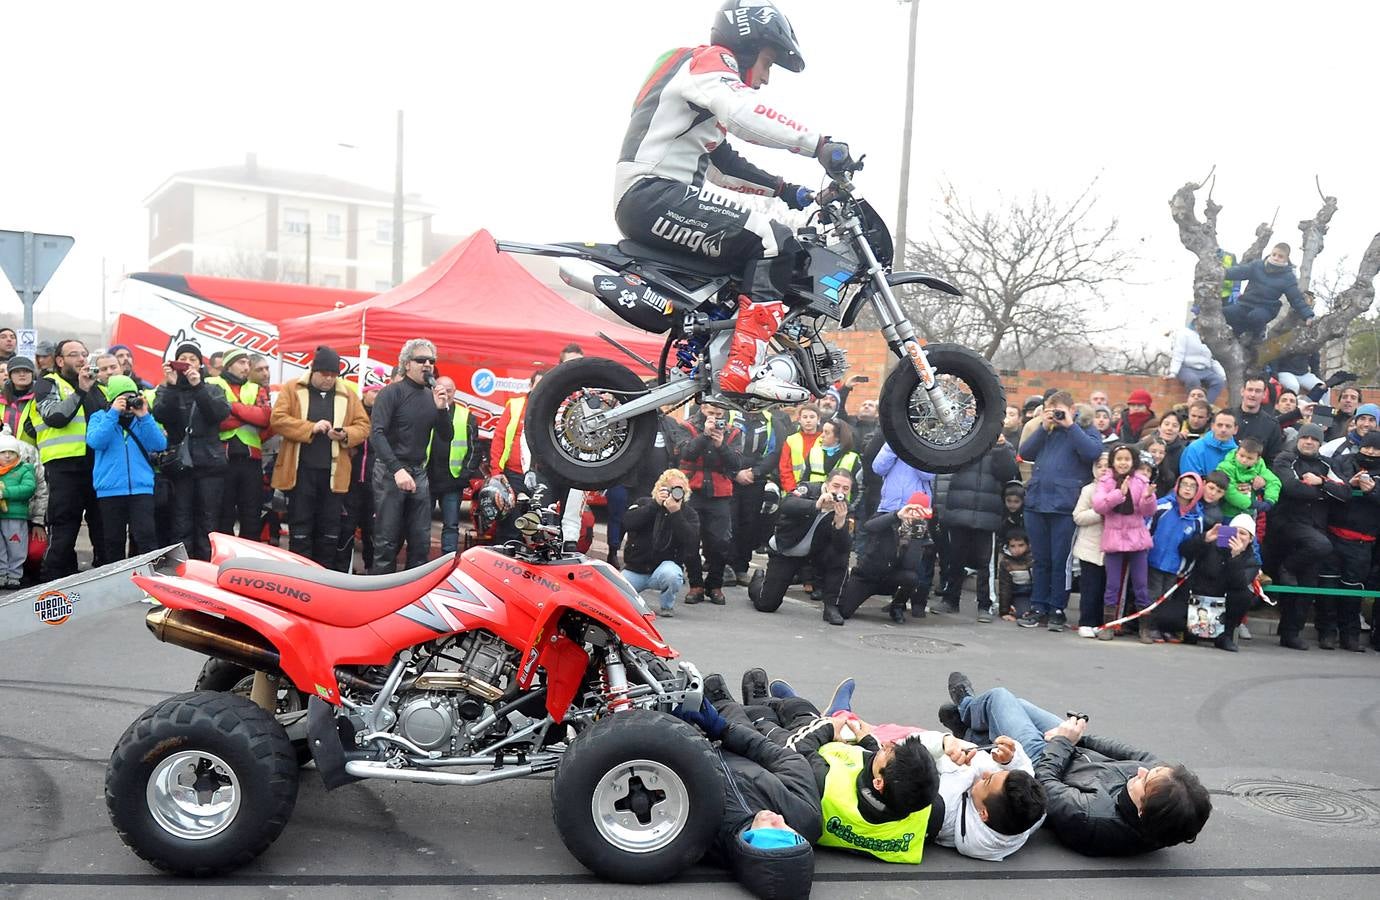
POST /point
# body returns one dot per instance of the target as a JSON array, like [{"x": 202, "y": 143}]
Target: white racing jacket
[{"x": 694, "y": 98}]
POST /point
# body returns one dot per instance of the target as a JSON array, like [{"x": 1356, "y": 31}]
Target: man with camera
[
  {"x": 812, "y": 530},
  {"x": 890, "y": 562},
  {"x": 659, "y": 532},
  {"x": 710, "y": 460},
  {"x": 124, "y": 438}
]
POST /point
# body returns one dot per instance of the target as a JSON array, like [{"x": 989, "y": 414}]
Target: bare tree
[
  {"x": 1029, "y": 271},
  {"x": 1287, "y": 335}
]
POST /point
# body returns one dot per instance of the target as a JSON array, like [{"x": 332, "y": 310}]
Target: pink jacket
[{"x": 1124, "y": 532}]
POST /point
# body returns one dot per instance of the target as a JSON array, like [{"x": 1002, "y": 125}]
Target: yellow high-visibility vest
[
  {"x": 460, "y": 440},
  {"x": 67, "y": 442},
  {"x": 249, "y": 392},
  {"x": 515, "y": 407}
]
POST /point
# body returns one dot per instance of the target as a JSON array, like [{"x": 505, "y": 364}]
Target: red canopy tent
[{"x": 480, "y": 307}]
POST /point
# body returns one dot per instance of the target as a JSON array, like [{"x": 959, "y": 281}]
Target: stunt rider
[{"x": 675, "y": 163}]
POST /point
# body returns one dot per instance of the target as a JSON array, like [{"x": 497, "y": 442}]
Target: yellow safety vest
[
  {"x": 249, "y": 392},
  {"x": 19, "y": 419},
  {"x": 901, "y": 841},
  {"x": 515, "y": 407},
  {"x": 847, "y": 461},
  {"x": 796, "y": 445},
  {"x": 67, "y": 442},
  {"x": 460, "y": 440}
]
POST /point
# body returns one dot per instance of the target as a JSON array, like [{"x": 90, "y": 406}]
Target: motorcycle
[
  {"x": 591, "y": 420},
  {"x": 504, "y": 662}
]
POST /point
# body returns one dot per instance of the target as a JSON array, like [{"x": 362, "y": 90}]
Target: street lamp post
[
  {"x": 905, "y": 138},
  {"x": 398, "y": 207}
]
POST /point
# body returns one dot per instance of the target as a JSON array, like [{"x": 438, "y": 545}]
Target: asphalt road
[{"x": 1304, "y": 723}]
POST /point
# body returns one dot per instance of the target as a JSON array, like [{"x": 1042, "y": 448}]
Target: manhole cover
[
  {"x": 1308, "y": 802},
  {"x": 904, "y": 643}
]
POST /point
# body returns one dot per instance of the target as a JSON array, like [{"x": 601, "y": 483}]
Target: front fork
[{"x": 898, "y": 332}]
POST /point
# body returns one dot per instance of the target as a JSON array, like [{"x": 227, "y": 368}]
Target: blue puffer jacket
[
  {"x": 1169, "y": 528},
  {"x": 121, "y": 467},
  {"x": 1267, "y": 284},
  {"x": 1063, "y": 460},
  {"x": 899, "y": 480}
]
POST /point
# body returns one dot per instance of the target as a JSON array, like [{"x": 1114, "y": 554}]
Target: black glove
[
  {"x": 706, "y": 718},
  {"x": 834, "y": 156},
  {"x": 795, "y": 196},
  {"x": 1341, "y": 377}
]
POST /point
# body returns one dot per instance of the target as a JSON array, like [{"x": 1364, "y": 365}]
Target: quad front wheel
[
  {"x": 202, "y": 783},
  {"x": 914, "y": 430},
  {"x": 638, "y": 797}
]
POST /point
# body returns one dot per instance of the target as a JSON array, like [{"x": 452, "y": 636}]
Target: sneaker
[
  {"x": 1087, "y": 631},
  {"x": 667, "y": 612},
  {"x": 984, "y": 614},
  {"x": 756, "y": 687},
  {"x": 730, "y": 576},
  {"x": 1242, "y": 632},
  {"x": 897, "y": 613},
  {"x": 781, "y": 689},
  {"x": 959, "y": 687},
  {"x": 1032, "y": 619},
  {"x": 1057, "y": 620},
  {"x": 694, "y": 595},
  {"x": 1293, "y": 642},
  {"x": 1224, "y": 642},
  {"x": 951, "y": 606},
  {"x": 715, "y": 690},
  {"x": 744, "y": 578},
  {"x": 950, "y": 719},
  {"x": 842, "y": 701},
  {"x": 716, "y": 596},
  {"x": 918, "y": 612},
  {"x": 1105, "y": 634}
]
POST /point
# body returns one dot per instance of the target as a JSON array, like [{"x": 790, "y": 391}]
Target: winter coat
[
  {"x": 1010, "y": 521},
  {"x": 18, "y": 487},
  {"x": 1087, "y": 804},
  {"x": 1204, "y": 454},
  {"x": 38, "y": 503},
  {"x": 1087, "y": 540},
  {"x": 670, "y": 435},
  {"x": 974, "y": 496},
  {"x": 1169, "y": 528},
  {"x": 1063, "y": 460},
  {"x": 798, "y": 513},
  {"x": 1302, "y": 504},
  {"x": 1263, "y": 425},
  {"x": 194, "y": 414},
  {"x": 1168, "y": 472},
  {"x": 1236, "y": 501},
  {"x": 1014, "y": 575},
  {"x": 710, "y": 466},
  {"x": 882, "y": 554},
  {"x": 1124, "y": 532},
  {"x": 899, "y": 480},
  {"x": 1190, "y": 353},
  {"x": 122, "y": 468},
  {"x": 1267, "y": 283},
  {"x": 289, "y": 419},
  {"x": 652, "y": 535}
]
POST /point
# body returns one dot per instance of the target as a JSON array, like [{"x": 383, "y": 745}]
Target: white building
[{"x": 244, "y": 221}]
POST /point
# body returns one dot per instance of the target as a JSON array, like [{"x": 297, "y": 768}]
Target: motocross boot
[{"x": 757, "y": 321}]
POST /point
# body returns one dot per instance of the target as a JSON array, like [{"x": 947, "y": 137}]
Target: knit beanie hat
[
  {"x": 1140, "y": 396},
  {"x": 1367, "y": 409},
  {"x": 8, "y": 442},
  {"x": 232, "y": 355},
  {"x": 326, "y": 360},
  {"x": 189, "y": 347},
  {"x": 1311, "y": 431},
  {"x": 21, "y": 362},
  {"x": 119, "y": 384}
]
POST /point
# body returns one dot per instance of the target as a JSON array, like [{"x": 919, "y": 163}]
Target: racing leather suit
[{"x": 676, "y": 179}]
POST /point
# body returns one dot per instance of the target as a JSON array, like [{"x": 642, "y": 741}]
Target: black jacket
[
  {"x": 972, "y": 498},
  {"x": 1302, "y": 504},
  {"x": 670, "y": 436},
  {"x": 1362, "y": 512},
  {"x": 1264, "y": 427},
  {"x": 404, "y": 422},
  {"x": 883, "y": 552},
  {"x": 205, "y": 407},
  {"x": 1087, "y": 803},
  {"x": 798, "y": 513},
  {"x": 651, "y": 535},
  {"x": 438, "y": 469},
  {"x": 761, "y": 452}
]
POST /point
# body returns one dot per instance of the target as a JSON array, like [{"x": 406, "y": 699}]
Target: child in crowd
[
  {"x": 1013, "y": 581},
  {"x": 1252, "y": 487},
  {"x": 1125, "y": 500},
  {"x": 1087, "y": 549},
  {"x": 1177, "y": 518},
  {"x": 1102, "y": 421},
  {"x": 1215, "y": 488},
  {"x": 1013, "y": 498},
  {"x": 16, "y": 487}
]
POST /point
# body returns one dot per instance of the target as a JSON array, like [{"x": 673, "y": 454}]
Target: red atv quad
[{"x": 501, "y": 663}]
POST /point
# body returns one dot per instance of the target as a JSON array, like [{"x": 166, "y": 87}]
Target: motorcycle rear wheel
[
  {"x": 907, "y": 415},
  {"x": 586, "y": 460}
]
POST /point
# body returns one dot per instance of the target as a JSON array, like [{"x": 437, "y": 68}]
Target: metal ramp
[{"x": 84, "y": 594}]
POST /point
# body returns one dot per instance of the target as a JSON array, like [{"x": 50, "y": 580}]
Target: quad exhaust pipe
[{"x": 221, "y": 638}]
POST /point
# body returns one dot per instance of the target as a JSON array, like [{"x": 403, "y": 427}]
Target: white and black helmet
[{"x": 746, "y": 26}]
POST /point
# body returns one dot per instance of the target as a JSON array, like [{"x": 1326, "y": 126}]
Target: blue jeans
[
  {"x": 1210, "y": 380},
  {"x": 1245, "y": 319},
  {"x": 667, "y": 578},
  {"x": 450, "y": 521},
  {"x": 1051, "y": 543},
  {"x": 998, "y": 711}
]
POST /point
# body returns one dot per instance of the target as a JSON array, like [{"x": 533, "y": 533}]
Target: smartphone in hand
[{"x": 1224, "y": 535}]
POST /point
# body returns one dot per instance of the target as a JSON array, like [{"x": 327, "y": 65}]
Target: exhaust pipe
[
  {"x": 221, "y": 638},
  {"x": 368, "y": 768},
  {"x": 580, "y": 274}
]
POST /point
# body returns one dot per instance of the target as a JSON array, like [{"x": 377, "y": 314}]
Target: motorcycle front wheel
[
  {"x": 910, "y": 424},
  {"x": 585, "y": 458}
]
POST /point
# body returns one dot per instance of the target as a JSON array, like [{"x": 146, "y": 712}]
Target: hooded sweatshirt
[
  {"x": 1124, "y": 531},
  {"x": 1174, "y": 522},
  {"x": 1237, "y": 501}
]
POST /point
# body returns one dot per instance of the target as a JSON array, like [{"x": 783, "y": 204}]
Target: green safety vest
[
  {"x": 67, "y": 442},
  {"x": 516, "y": 406},
  {"x": 249, "y": 391},
  {"x": 460, "y": 440},
  {"x": 901, "y": 841},
  {"x": 847, "y": 461},
  {"x": 1228, "y": 260}
]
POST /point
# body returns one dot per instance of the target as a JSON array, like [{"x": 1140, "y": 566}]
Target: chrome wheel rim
[
  {"x": 193, "y": 795},
  {"x": 581, "y": 443},
  {"x": 924, "y": 421},
  {"x": 640, "y": 806}
]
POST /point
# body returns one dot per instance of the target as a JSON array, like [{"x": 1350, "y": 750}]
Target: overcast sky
[{"x": 515, "y": 111}]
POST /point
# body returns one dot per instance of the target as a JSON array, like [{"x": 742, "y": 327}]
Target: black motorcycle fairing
[{"x": 877, "y": 234}]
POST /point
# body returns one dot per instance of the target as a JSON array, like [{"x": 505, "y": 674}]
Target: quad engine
[{"x": 461, "y": 687}]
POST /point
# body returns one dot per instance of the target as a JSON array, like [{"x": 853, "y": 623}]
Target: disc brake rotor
[
  {"x": 577, "y": 439},
  {"x": 925, "y": 422}
]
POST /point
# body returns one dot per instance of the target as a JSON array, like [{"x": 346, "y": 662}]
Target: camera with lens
[
  {"x": 134, "y": 401},
  {"x": 840, "y": 498},
  {"x": 676, "y": 492},
  {"x": 1060, "y": 415},
  {"x": 917, "y": 530}
]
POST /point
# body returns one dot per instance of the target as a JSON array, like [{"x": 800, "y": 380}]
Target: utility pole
[
  {"x": 307, "y": 279},
  {"x": 398, "y": 207},
  {"x": 905, "y": 139}
]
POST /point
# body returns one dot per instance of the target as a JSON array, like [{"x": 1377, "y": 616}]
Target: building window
[
  {"x": 331, "y": 280},
  {"x": 295, "y": 221},
  {"x": 294, "y": 278},
  {"x": 332, "y": 225},
  {"x": 383, "y": 231},
  {"x": 154, "y": 224}
]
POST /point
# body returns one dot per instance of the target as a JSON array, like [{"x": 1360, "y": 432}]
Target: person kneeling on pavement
[
  {"x": 659, "y": 532},
  {"x": 1105, "y": 798},
  {"x": 890, "y": 563},
  {"x": 813, "y": 530},
  {"x": 772, "y": 811}
]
